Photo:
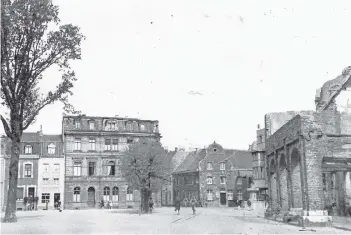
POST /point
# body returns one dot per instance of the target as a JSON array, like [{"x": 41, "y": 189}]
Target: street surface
[{"x": 163, "y": 220}]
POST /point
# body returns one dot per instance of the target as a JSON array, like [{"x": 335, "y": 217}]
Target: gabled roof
[
  {"x": 30, "y": 137},
  {"x": 241, "y": 159},
  {"x": 191, "y": 162},
  {"x": 179, "y": 158},
  {"x": 53, "y": 138}
]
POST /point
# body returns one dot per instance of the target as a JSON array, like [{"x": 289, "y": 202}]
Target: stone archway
[
  {"x": 296, "y": 178},
  {"x": 91, "y": 197},
  {"x": 283, "y": 183}
]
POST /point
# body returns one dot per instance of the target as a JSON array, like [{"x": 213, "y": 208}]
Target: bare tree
[
  {"x": 144, "y": 166},
  {"x": 28, "y": 48}
]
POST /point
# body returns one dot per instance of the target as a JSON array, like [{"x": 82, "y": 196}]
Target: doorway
[
  {"x": 31, "y": 192},
  {"x": 91, "y": 197},
  {"x": 56, "y": 199},
  {"x": 223, "y": 198}
]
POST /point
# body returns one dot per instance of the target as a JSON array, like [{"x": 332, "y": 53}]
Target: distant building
[
  {"x": 214, "y": 175},
  {"x": 93, "y": 148}
]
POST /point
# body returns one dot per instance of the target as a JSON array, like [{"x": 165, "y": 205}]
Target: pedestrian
[
  {"x": 151, "y": 204},
  {"x": 185, "y": 201},
  {"x": 177, "y": 205},
  {"x": 59, "y": 206},
  {"x": 102, "y": 204},
  {"x": 109, "y": 205},
  {"x": 193, "y": 202},
  {"x": 249, "y": 204}
]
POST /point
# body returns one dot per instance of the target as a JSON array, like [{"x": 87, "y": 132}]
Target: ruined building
[{"x": 308, "y": 158}]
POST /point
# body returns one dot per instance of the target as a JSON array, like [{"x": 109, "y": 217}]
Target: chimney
[
  {"x": 40, "y": 132},
  {"x": 258, "y": 126}
]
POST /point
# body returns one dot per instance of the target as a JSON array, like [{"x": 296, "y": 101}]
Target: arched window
[
  {"x": 129, "y": 194},
  {"x": 111, "y": 168},
  {"x": 115, "y": 194},
  {"x": 28, "y": 149},
  {"x": 106, "y": 194},
  {"x": 76, "y": 194}
]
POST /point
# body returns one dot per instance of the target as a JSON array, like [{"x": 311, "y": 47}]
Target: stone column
[
  {"x": 328, "y": 179},
  {"x": 279, "y": 196},
  {"x": 302, "y": 175},
  {"x": 288, "y": 177}
]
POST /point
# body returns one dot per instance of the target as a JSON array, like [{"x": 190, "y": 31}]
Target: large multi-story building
[{"x": 93, "y": 149}]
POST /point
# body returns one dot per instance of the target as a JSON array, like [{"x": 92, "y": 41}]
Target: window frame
[
  {"x": 77, "y": 144},
  {"x": 129, "y": 194},
  {"x": 45, "y": 199},
  {"x": 209, "y": 195},
  {"x": 209, "y": 180},
  {"x": 91, "y": 165},
  {"x": 51, "y": 148},
  {"x": 92, "y": 144},
  {"x": 57, "y": 167},
  {"x": 31, "y": 169},
  {"x": 111, "y": 167},
  {"x": 115, "y": 194},
  {"x": 77, "y": 165},
  {"x": 223, "y": 181},
  {"x": 46, "y": 181},
  {"x": 56, "y": 181},
  {"x": 76, "y": 194},
  {"x": 108, "y": 144},
  {"x": 209, "y": 166},
  {"x": 106, "y": 193},
  {"x": 28, "y": 149},
  {"x": 91, "y": 125},
  {"x": 114, "y": 145},
  {"x": 222, "y": 166},
  {"x": 239, "y": 194},
  {"x": 23, "y": 193},
  {"x": 46, "y": 167}
]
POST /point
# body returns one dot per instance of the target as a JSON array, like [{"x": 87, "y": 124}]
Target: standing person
[
  {"x": 177, "y": 205},
  {"x": 59, "y": 205},
  {"x": 185, "y": 202},
  {"x": 102, "y": 203},
  {"x": 193, "y": 202},
  {"x": 151, "y": 204}
]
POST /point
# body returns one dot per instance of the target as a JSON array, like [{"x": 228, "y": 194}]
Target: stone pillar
[
  {"x": 302, "y": 175},
  {"x": 288, "y": 177},
  {"x": 328, "y": 178},
  {"x": 340, "y": 189},
  {"x": 277, "y": 171}
]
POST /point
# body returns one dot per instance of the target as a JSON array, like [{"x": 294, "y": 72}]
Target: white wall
[{"x": 51, "y": 188}]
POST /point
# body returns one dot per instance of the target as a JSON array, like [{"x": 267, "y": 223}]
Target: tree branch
[{"x": 6, "y": 127}]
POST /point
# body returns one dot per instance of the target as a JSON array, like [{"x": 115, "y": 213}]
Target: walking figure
[
  {"x": 151, "y": 204},
  {"x": 177, "y": 205},
  {"x": 59, "y": 206},
  {"x": 185, "y": 202},
  {"x": 102, "y": 204},
  {"x": 193, "y": 202}
]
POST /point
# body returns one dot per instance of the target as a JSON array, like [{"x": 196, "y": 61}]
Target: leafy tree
[
  {"x": 144, "y": 166},
  {"x": 32, "y": 40}
]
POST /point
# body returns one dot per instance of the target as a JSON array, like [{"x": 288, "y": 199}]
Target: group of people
[
  {"x": 102, "y": 204},
  {"x": 178, "y": 202}
]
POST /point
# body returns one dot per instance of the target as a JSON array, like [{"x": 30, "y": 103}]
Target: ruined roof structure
[{"x": 306, "y": 152}]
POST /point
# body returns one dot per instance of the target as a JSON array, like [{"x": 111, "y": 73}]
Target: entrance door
[
  {"x": 223, "y": 198},
  {"x": 56, "y": 199},
  {"x": 31, "y": 192},
  {"x": 91, "y": 197}
]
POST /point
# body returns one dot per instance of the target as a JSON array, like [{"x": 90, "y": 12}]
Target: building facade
[
  {"x": 51, "y": 172},
  {"x": 259, "y": 188},
  {"x": 309, "y": 160},
  {"x": 93, "y": 148}
]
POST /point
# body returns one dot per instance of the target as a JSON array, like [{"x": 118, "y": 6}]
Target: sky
[{"x": 207, "y": 70}]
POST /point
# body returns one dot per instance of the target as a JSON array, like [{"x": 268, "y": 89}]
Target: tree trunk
[{"x": 10, "y": 213}]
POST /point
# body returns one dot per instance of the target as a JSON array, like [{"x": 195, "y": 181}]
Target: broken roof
[
  {"x": 241, "y": 159},
  {"x": 191, "y": 162}
]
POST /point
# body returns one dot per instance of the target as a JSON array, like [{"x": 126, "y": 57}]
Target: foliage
[
  {"x": 32, "y": 40},
  {"x": 144, "y": 166}
]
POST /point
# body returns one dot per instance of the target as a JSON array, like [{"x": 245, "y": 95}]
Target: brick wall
[
  {"x": 274, "y": 191},
  {"x": 296, "y": 186}
]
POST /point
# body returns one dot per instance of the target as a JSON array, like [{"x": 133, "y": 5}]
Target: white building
[{"x": 51, "y": 172}]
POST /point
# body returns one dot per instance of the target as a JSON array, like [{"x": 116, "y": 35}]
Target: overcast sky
[{"x": 207, "y": 70}]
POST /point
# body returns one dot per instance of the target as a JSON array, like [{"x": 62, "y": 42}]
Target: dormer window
[
  {"x": 111, "y": 126},
  {"x": 91, "y": 125},
  {"x": 77, "y": 124},
  {"x": 142, "y": 127},
  {"x": 28, "y": 149},
  {"x": 51, "y": 148}
]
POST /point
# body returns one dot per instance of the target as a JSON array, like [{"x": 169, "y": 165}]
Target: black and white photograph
[{"x": 175, "y": 117}]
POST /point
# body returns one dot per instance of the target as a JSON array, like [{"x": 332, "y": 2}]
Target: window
[
  {"x": 56, "y": 181},
  {"x": 57, "y": 167},
  {"x": 76, "y": 194},
  {"x": 51, "y": 149},
  {"x": 111, "y": 168},
  {"x": 129, "y": 141},
  {"x": 223, "y": 179},
  {"x": 46, "y": 167},
  {"x": 209, "y": 195},
  {"x": 45, "y": 181},
  {"x": 115, "y": 145},
  {"x": 260, "y": 139},
  {"x": 28, "y": 149},
  {"x": 77, "y": 144},
  {"x": 115, "y": 194},
  {"x": 91, "y": 125},
  {"x": 45, "y": 197},
  {"x": 129, "y": 194},
  {"x": 108, "y": 144},
  {"x": 209, "y": 180},
  {"x": 91, "y": 168},
  {"x": 28, "y": 170},
  {"x": 230, "y": 195},
  {"x": 142, "y": 127},
  {"x": 177, "y": 181},
  {"x": 106, "y": 194},
  {"x": 209, "y": 166},
  {"x": 222, "y": 166},
  {"x": 240, "y": 195},
  {"x": 77, "y": 168},
  {"x": 239, "y": 181},
  {"x": 20, "y": 193},
  {"x": 188, "y": 180},
  {"x": 77, "y": 124},
  {"x": 92, "y": 144}
]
